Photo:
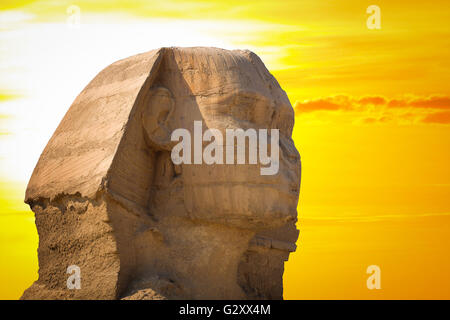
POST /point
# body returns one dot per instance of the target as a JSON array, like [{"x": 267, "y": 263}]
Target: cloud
[
  {"x": 438, "y": 117},
  {"x": 319, "y": 104},
  {"x": 340, "y": 102},
  {"x": 369, "y": 120},
  {"x": 378, "y": 109},
  {"x": 436, "y": 102},
  {"x": 372, "y": 100},
  {"x": 395, "y": 103},
  {"x": 433, "y": 102}
]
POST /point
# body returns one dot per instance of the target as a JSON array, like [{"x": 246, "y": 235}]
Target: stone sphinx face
[{"x": 231, "y": 92}]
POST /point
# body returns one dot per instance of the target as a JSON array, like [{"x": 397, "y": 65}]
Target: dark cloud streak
[{"x": 432, "y": 109}]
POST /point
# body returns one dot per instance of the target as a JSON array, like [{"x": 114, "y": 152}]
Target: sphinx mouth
[
  {"x": 250, "y": 184},
  {"x": 269, "y": 243},
  {"x": 278, "y": 184},
  {"x": 286, "y": 190}
]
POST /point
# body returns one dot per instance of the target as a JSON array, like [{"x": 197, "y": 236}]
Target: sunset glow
[{"x": 372, "y": 123}]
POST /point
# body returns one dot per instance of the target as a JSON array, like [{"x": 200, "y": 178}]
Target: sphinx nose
[
  {"x": 288, "y": 149},
  {"x": 290, "y": 158},
  {"x": 289, "y": 152}
]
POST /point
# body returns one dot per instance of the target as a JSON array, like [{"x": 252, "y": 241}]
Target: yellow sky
[{"x": 372, "y": 123}]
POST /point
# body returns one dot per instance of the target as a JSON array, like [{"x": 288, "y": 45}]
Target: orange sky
[{"x": 372, "y": 123}]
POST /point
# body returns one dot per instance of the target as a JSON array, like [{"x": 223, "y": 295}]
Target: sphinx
[{"x": 109, "y": 200}]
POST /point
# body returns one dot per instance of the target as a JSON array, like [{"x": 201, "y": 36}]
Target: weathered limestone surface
[{"x": 108, "y": 198}]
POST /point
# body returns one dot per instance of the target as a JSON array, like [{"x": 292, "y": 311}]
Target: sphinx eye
[
  {"x": 244, "y": 101},
  {"x": 273, "y": 115},
  {"x": 243, "y": 106}
]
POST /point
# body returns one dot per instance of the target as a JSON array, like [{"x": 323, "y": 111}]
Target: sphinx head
[
  {"x": 224, "y": 125},
  {"x": 108, "y": 182}
]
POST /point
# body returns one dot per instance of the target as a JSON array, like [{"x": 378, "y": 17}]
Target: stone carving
[{"x": 108, "y": 198}]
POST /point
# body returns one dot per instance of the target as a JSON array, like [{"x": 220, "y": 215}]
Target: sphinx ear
[{"x": 156, "y": 118}]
